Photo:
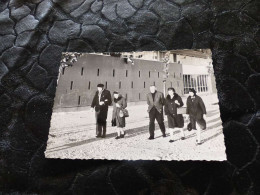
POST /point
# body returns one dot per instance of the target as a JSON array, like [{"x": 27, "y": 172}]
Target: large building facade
[
  {"x": 197, "y": 67},
  {"x": 78, "y": 84}
]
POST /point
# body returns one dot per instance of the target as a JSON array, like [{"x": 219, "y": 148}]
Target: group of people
[
  {"x": 100, "y": 103},
  {"x": 157, "y": 103}
]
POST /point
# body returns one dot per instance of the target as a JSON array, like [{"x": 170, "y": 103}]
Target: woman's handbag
[
  {"x": 123, "y": 113},
  {"x": 181, "y": 110}
]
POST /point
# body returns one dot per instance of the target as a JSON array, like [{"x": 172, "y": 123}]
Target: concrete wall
[
  {"x": 194, "y": 61},
  {"x": 77, "y": 85}
]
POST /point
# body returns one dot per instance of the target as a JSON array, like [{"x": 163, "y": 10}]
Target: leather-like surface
[{"x": 34, "y": 33}]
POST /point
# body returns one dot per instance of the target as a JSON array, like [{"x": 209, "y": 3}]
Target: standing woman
[
  {"x": 196, "y": 110},
  {"x": 118, "y": 119},
  {"x": 175, "y": 121}
]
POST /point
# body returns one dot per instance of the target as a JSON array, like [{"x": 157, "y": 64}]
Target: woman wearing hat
[
  {"x": 118, "y": 119},
  {"x": 175, "y": 121},
  {"x": 197, "y": 111}
]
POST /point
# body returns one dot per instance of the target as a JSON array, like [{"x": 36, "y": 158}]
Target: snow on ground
[{"x": 72, "y": 136}]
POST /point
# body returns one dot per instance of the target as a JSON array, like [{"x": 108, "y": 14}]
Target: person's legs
[
  {"x": 151, "y": 123},
  {"x": 122, "y": 132},
  {"x": 99, "y": 130},
  {"x": 182, "y": 133},
  {"x": 179, "y": 121},
  {"x": 171, "y": 134},
  {"x": 198, "y": 132},
  {"x": 98, "y": 125},
  {"x": 104, "y": 127},
  {"x": 118, "y": 129},
  {"x": 201, "y": 123},
  {"x": 160, "y": 120}
]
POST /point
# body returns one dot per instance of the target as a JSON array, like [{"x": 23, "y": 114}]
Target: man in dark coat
[
  {"x": 196, "y": 110},
  {"x": 101, "y": 101},
  {"x": 155, "y": 101}
]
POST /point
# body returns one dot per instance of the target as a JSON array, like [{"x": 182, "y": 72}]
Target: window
[
  {"x": 126, "y": 73},
  {"x": 89, "y": 84},
  {"x": 106, "y": 84},
  {"x": 144, "y": 84},
  {"x": 174, "y": 75},
  {"x": 126, "y": 96},
  {"x": 149, "y": 74},
  {"x": 158, "y": 74},
  {"x": 139, "y": 96},
  {"x": 178, "y": 83},
  {"x": 79, "y": 100},
  {"x": 119, "y": 84},
  {"x": 82, "y": 71},
  {"x": 180, "y": 75},
  {"x": 198, "y": 82},
  {"x": 154, "y": 83},
  {"x": 132, "y": 84},
  {"x": 171, "y": 84},
  {"x": 113, "y": 72},
  {"x": 139, "y": 73},
  {"x": 98, "y": 72},
  {"x": 174, "y": 57},
  {"x": 71, "y": 85}
]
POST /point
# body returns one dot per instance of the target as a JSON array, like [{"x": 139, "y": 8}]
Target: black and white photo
[{"x": 145, "y": 105}]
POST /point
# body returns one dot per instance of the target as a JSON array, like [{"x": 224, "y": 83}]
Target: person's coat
[
  {"x": 102, "y": 109},
  {"x": 196, "y": 108},
  {"x": 116, "y": 119},
  {"x": 158, "y": 101},
  {"x": 171, "y": 107}
]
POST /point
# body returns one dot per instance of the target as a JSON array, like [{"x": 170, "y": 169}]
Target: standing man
[
  {"x": 155, "y": 101},
  {"x": 101, "y": 101}
]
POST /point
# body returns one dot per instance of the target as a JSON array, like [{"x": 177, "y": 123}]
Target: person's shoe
[
  {"x": 122, "y": 135},
  {"x": 183, "y": 138},
  {"x": 117, "y": 137},
  {"x": 103, "y": 136},
  {"x": 171, "y": 141},
  {"x": 150, "y": 138},
  {"x": 164, "y": 135},
  {"x": 98, "y": 136},
  {"x": 198, "y": 143}
]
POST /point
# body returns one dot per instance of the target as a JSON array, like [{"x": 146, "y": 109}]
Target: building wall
[
  {"x": 77, "y": 85},
  {"x": 194, "y": 61},
  {"x": 195, "y": 66}
]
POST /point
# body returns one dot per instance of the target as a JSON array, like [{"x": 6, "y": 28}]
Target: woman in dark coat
[
  {"x": 118, "y": 120},
  {"x": 196, "y": 110},
  {"x": 175, "y": 121}
]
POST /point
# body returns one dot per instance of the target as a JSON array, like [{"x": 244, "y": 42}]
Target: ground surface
[{"x": 72, "y": 135}]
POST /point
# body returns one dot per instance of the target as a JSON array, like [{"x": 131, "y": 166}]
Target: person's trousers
[
  {"x": 155, "y": 114},
  {"x": 101, "y": 124}
]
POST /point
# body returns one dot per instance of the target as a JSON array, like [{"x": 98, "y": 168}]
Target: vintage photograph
[{"x": 147, "y": 105}]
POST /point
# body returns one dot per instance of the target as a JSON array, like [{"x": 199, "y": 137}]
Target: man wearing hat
[{"x": 101, "y": 101}]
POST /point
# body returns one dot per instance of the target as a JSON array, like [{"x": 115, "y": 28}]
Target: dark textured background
[{"x": 35, "y": 32}]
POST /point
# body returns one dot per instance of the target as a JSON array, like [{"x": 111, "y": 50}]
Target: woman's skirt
[{"x": 175, "y": 121}]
